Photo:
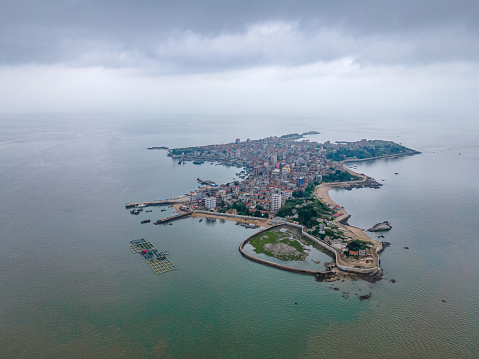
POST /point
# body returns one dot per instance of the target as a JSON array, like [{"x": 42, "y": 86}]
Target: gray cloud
[
  {"x": 202, "y": 36},
  {"x": 254, "y": 57}
]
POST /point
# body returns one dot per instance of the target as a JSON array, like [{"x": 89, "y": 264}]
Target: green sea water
[{"x": 70, "y": 287}]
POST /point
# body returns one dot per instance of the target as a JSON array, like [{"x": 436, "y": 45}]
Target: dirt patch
[{"x": 281, "y": 249}]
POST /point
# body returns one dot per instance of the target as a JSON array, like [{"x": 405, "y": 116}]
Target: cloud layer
[{"x": 299, "y": 55}]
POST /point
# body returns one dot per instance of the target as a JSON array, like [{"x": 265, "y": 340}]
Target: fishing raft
[{"x": 157, "y": 260}]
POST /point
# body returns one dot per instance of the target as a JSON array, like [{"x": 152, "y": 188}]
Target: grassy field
[{"x": 277, "y": 236}]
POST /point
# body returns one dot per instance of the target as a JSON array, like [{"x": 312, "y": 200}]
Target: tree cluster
[
  {"x": 376, "y": 149},
  {"x": 339, "y": 176},
  {"x": 308, "y": 210}
]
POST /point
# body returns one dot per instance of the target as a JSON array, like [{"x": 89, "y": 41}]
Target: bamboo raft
[{"x": 157, "y": 261}]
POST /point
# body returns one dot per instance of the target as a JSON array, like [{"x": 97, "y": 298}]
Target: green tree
[{"x": 298, "y": 193}]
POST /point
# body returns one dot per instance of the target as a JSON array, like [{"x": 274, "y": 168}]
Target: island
[
  {"x": 157, "y": 148},
  {"x": 283, "y": 185}
]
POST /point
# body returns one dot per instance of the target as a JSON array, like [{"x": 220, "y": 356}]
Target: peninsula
[{"x": 284, "y": 181}]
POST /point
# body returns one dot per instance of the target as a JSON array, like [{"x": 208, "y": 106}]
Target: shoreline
[
  {"x": 346, "y": 267},
  {"x": 352, "y": 232},
  {"x": 266, "y": 223}
]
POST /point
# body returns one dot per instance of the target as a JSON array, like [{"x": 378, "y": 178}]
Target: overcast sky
[{"x": 239, "y": 57}]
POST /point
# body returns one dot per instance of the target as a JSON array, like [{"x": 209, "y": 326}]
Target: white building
[
  {"x": 275, "y": 202},
  {"x": 287, "y": 194},
  {"x": 210, "y": 202}
]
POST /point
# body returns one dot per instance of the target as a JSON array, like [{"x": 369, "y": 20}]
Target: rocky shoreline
[
  {"x": 380, "y": 227},
  {"x": 368, "y": 183}
]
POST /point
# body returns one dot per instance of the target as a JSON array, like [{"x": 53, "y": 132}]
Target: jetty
[
  {"x": 205, "y": 182},
  {"x": 172, "y": 218},
  {"x": 180, "y": 199}
]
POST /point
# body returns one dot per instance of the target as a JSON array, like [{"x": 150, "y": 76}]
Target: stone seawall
[
  {"x": 305, "y": 271},
  {"x": 318, "y": 274}
]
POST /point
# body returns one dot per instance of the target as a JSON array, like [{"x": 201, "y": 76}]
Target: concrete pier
[
  {"x": 169, "y": 219},
  {"x": 181, "y": 199}
]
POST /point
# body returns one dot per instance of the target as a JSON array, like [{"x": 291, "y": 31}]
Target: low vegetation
[
  {"x": 339, "y": 176},
  {"x": 373, "y": 149},
  {"x": 295, "y": 253}
]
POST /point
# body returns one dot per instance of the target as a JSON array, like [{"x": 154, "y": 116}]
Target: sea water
[{"x": 70, "y": 286}]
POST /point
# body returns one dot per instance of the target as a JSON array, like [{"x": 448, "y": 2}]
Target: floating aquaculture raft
[
  {"x": 156, "y": 260},
  {"x": 138, "y": 245}
]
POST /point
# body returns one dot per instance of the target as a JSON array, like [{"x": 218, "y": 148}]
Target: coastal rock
[
  {"x": 325, "y": 276},
  {"x": 364, "y": 297},
  {"x": 371, "y": 278},
  {"x": 385, "y": 244},
  {"x": 384, "y": 226},
  {"x": 369, "y": 183}
]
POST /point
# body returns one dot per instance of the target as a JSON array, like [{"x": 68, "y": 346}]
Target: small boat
[
  {"x": 149, "y": 210},
  {"x": 201, "y": 220},
  {"x": 170, "y": 224},
  {"x": 163, "y": 210},
  {"x": 145, "y": 221},
  {"x": 165, "y": 253}
]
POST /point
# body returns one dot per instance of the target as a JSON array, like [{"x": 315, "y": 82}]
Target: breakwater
[
  {"x": 169, "y": 219},
  {"x": 159, "y": 202},
  {"x": 366, "y": 271},
  {"x": 320, "y": 275},
  {"x": 333, "y": 250}
]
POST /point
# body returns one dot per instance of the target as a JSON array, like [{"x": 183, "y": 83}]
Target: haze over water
[{"x": 70, "y": 286}]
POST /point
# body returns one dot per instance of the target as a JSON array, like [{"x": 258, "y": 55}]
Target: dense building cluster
[{"x": 274, "y": 168}]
